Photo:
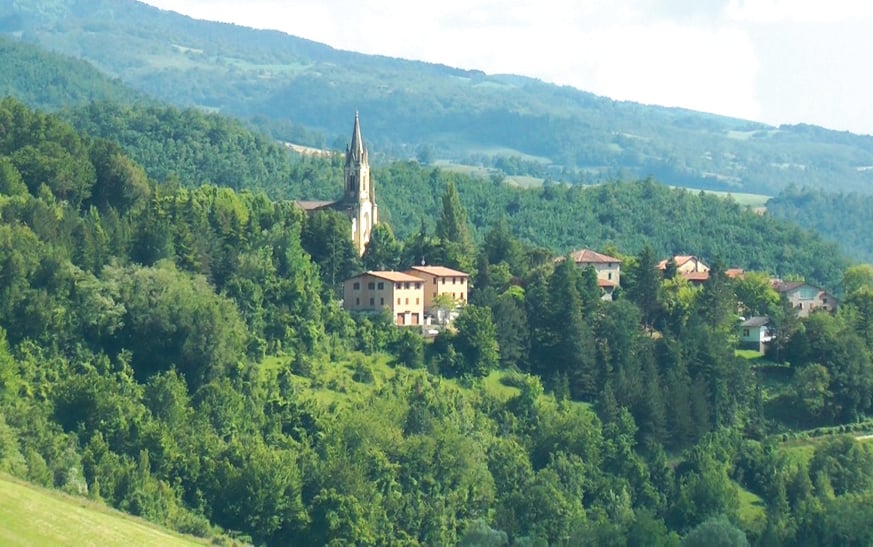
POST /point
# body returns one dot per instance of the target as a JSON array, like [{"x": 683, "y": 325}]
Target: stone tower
[{"x": 359, "y": 197}]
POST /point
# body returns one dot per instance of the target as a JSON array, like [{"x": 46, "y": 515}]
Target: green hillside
[
  {"x": 178, "y": 350},
  {"x": 30, "y": 515},
  {"x": 47, "y": 80},
  {"x": 305, "y": 91}
]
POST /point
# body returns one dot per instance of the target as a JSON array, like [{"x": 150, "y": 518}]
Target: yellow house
[
  {"x": 401, "y": 293},
  {"x": 439, "y": 280}
]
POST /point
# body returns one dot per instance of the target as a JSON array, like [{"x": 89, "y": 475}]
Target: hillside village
[
  {"x": 431, "y": 295},
  {"x": 178, "y": 342}
]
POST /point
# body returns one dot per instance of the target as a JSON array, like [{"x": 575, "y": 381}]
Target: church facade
[{"x": 359, "y": 195}]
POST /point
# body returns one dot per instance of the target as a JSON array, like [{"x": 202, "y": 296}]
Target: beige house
[
  {"x": 690, "y": 267},
  {"x": 608, "y": 269},
  {"x": 806, "y": 298},
  {"x": 439, "y": 280},
  {"x": 400, "y": 293}
]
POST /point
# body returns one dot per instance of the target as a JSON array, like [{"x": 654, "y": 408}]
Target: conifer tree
[{"x": 454, "y": 232}]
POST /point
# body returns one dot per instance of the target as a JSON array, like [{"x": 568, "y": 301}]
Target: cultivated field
[{"x": 30, "y": 515}]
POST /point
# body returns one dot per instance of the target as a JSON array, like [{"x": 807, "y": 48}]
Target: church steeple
[
  {"x": 359, "y": 196},
  {"x": 355, "y": 150}
]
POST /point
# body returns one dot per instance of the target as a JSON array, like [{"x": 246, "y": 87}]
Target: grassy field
[
  {"x": 753, "y": 513},
  {"x": 30, "y": 515}
]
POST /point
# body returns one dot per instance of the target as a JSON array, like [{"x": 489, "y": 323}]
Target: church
[{"x": 359, "y": 196}]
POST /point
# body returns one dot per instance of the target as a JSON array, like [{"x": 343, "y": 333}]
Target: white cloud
[{"x": 798, "y": 11}]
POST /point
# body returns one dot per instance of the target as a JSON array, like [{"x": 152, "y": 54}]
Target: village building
[
  {"x": 607, "y": 268},
  {"x": 756, "y": 333},
  {"x": 805, "y": 298},
  {"x": 688, "y": 267},
  {"x": 359, "y": 194},
  {"x": 402, "y": 294},
  {"x": 439, "y": 280}
]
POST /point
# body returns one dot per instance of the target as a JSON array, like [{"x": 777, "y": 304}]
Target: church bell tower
[{"x": 359, "y": 196}]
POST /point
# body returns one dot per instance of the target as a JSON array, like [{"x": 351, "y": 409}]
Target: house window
[
  {"x": 417, "y": 302},
  {"x": 454, "y": 280},
  {"x": 371, "y": 285},
  {"x": 407, "y": 286},
  {"x": 800, "y": 306},
  {"x": 357, "y": 301},
  {"x": 609, "y": 276},
  {"x": 407, "y": 301},
  {"x": 371, "y": 302},
  {"x": 434, "y": 294},
  {"x": 398, "y": 301},
  {"x": 434, "y": 280},
  {"x": 444, "y": 281},
  {"x": 381, "y": 285},
  {"x": 398, "y": 285},
  {"x": 381, "y": 301},
  {"x": 357, "y": 285},
  {"x": 746, "y": 333},
  {"x": 418, "y": 285}
]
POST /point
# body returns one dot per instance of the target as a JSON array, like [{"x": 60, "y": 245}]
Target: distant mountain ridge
[{"x": 455, "y": 114}]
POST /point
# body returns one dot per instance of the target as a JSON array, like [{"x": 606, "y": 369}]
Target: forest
[{"x": 174, "y": 347}]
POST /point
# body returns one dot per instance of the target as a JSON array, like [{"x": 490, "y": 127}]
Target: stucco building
[
  {"x": 806, "y": 298},
  {"x": 400, "y": 293},
  {"x": 608, "y": 269},
  {"x": 439, "y": 280}
]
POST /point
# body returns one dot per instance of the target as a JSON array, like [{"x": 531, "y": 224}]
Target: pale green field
[
  {"x": 30, "y": 515},
  {"x": 752, "y": 514},
  {"x": 749, "y": 200}
]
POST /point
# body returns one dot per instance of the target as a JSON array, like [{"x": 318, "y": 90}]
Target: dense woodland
[
  {"x": 176, "y": 349},
  {"x": 843, "y": 217}
]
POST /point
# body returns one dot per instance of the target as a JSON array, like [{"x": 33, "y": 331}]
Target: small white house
[{"x": 756, "y": 333}]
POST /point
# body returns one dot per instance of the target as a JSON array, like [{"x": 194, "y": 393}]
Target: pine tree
[{"x": 454, "y": 232}]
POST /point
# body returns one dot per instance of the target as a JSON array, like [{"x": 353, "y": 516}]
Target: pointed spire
[{"x": 356, "y": 147}]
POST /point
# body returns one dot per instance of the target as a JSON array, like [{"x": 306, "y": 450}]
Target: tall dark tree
[
  {"x": 326, "y": 238},
  {"x": 646, "y": 289},
  {"x": 383, "y": 251},
  {"x": 453, "y": 231}
]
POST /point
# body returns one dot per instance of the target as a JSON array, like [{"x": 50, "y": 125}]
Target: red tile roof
[
  {"x": 734, "y": 273},
  {"x": 439, "y": 271},
  {"x": 391, "y": 276},
  {"x": 695, "y": 276},
  {"x": 680, "y": 260},
  {"x": 587, "y": 256}
]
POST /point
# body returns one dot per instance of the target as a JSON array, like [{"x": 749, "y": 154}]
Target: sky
[{"x": 774, "y": 61}]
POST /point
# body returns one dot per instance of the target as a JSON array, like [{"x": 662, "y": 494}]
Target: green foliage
[
  {"x": 717, "y": 531},
  {"x": 177, "y": 352}
]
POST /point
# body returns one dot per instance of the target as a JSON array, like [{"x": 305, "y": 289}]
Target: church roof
[{"x": 312, "y": 205}]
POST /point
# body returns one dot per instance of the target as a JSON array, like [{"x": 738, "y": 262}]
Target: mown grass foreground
[{"x": 30, "y": 515}]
